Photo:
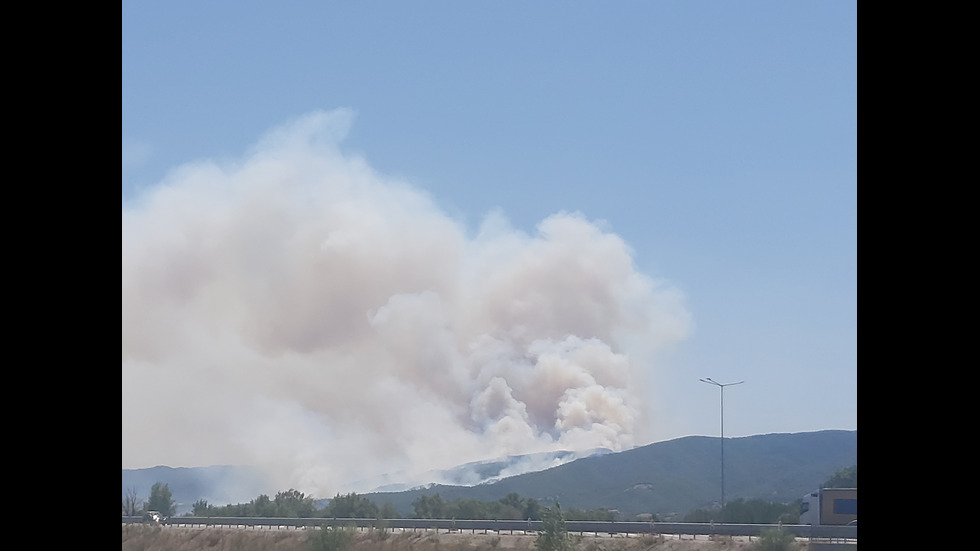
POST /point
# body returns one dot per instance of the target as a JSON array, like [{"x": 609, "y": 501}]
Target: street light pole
[{"x": 722, "y": 386}]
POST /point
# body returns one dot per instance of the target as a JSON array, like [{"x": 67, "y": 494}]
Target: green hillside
[{"x": 673, "y": 477}]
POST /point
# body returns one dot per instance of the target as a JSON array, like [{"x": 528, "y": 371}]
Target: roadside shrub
[
  {"x": 776, "y": 539},
  {"x": 649, "y": 541},
  {"x": 331, "y": 539},
  {"x": 554, "y": 536},
  {"x": 379, "y": 533}
]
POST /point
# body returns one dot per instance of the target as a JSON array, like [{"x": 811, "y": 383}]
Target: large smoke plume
[{"x": 300, "y": 312}]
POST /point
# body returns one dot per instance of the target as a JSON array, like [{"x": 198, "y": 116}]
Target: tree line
[
  {"x": 295, "y": 504},
  {"x": 160, "y": 500},
  {"x": 758, "y": 511},
  {"x": 749, "y": 511}
]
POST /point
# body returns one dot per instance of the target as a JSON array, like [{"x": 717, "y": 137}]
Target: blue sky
[{"x": 718, "y": 140}]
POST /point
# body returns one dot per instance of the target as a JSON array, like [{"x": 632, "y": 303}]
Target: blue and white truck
[{"x": 830, "y": 507}]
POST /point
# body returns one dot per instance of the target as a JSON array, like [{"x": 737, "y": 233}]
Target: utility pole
[{"x": 722, "y": 386}]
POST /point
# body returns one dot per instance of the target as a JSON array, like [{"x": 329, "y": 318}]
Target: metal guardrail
[{"x": 667, "y": 528}]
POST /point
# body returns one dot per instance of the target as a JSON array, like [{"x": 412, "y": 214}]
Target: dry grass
[{"x": 155, "y": 538}]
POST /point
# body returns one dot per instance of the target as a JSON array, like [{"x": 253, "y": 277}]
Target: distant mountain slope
[
  {"x": 223, "y": 484},
  {"x": 673, "y": 477},
  {"x": 483, "y": 472},
  {"x": 664, "y": 478}
]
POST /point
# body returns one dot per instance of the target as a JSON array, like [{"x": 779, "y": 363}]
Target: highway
[{"x": 841, "y": 533}]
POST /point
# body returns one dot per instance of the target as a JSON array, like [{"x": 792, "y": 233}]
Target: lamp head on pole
[{"x": 716, "y": 383}]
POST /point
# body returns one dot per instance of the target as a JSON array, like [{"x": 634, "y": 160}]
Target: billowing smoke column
[{"x": 300, "y": 312}]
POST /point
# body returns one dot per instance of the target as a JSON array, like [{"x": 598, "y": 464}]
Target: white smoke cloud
[{"x": 300, "y": 312}]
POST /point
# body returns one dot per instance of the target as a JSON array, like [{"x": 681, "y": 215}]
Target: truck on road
[{"x": 830, "y": 507}]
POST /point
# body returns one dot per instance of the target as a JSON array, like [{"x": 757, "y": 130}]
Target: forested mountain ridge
[
  {"x": 664, "y": 478},
  {"x": 672, "y": 477}
]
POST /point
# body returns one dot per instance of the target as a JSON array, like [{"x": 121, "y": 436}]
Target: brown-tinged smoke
[{"x": 301, "y": 312}]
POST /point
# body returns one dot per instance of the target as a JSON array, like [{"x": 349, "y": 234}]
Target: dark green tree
[
  {"x": 844, "y": 478},
  {"x": 388, "y": 511},
  {"x": 292, "y": 504},
  {"x": 514, "y": 500},
  {"x": 263, "y": 506},
  {"x": 351, "y": 506},
  {"x": 554, "y": 535},
  {"x": 161, "y": 500},
  {"x": 752, "y": 511},
  {"x": 468, "y": 509},
  {"x": 429, "y": 507},
  {"x": 510, "y": 507},
  {"x": 532, "y": 509},
  {"x": 200, "y": 508}
]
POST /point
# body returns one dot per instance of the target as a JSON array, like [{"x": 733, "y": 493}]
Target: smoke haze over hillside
[{"x": 298, "y": 311}]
